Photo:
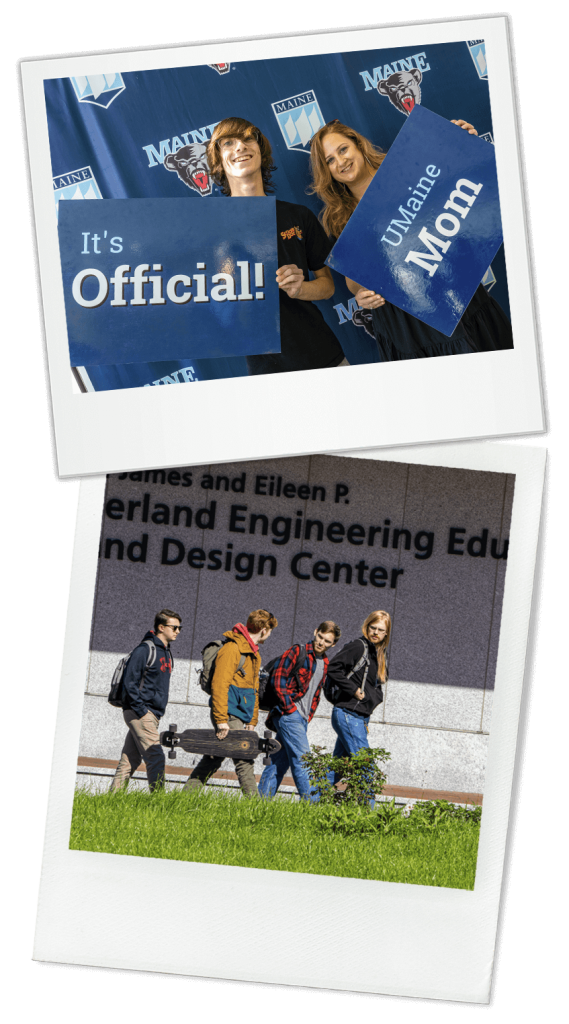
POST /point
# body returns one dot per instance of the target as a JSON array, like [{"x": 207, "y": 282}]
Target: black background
[{"x": 521, "y": 957}]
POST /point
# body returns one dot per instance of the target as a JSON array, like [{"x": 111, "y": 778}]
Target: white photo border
[
  {"x": 384, "y": 404},
  {"x": 406, "y": 939}
]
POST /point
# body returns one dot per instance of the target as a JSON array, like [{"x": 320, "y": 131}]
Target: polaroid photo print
[
  {"x": 143, "y": 289},
  {"x": 383, "y": 600}
]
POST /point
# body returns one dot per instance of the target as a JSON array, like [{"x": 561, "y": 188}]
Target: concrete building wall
[{"x": 443, "y": 590}]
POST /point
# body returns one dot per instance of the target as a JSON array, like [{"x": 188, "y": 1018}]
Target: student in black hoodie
[
  {"x": 146, "y": 682},
  {"x": 358, "y": 670}
]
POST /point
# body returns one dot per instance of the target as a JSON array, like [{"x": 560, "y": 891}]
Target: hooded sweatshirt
[
  {"x": 236, "y": 692},
  {"x": 148, "y": 689},
  {"x": 342, "y": 663}
]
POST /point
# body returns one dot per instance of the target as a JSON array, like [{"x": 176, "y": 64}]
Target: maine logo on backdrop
[
  {"x": 190, "y": 164},
  {"x": 477, "y": 49},
  {"x": 100, "y": 90},
  {"x": 299, "y": 118},
  {"x": 79, "y": 184},
  {"x": 221, "y": 69},
  {"x": 399, "y": 80},
  {"x": 489, "y": 279}
]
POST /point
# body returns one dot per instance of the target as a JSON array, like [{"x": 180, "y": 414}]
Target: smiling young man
[
  {"x": 146, "y": 683},
  {"x": 298, "y": 685},
  {"x": 240, "y": 161}
]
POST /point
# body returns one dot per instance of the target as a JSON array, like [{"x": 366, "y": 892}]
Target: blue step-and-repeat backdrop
[{"x": 142, "y": 134}]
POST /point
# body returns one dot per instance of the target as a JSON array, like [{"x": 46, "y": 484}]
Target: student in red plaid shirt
[{"x": 298, "y": 694}]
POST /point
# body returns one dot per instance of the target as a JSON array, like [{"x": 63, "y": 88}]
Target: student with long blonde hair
[
  {"x": 343, "y": 165},
  {"x": 356, "y": 673}
]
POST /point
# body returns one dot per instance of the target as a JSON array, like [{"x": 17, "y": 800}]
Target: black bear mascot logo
[
  {"x": 363, "y": 318},
  {"x": 191, "y": 165},
  {"x": 402, "y": 88}
]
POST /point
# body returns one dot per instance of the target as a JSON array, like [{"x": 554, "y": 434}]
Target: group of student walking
[
  {"x": 343, "y": 164},
  {"x": 297, "y": 680}
]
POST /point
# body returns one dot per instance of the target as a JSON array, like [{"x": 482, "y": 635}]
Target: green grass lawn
[{"x": 428, "y": 848}]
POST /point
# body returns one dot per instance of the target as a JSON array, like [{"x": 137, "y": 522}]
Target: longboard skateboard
[{"x": 240, "y": 743}]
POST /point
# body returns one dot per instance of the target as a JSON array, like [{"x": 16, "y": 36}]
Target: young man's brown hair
[
  {"x": 260, "y": 619},
  {"x": 238, "y": 128},
  {"x": 329, "y": 627},
  {"x": 161, "y": 618}
]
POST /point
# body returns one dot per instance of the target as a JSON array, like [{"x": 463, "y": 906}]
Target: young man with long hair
[
  {"x": 240, "y": 161},
  {"x": 358, "y": 670}
]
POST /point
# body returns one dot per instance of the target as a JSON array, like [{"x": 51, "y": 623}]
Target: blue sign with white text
[
  {"x": 148, "y": 280},
  {"x": 428, "y": 226}
]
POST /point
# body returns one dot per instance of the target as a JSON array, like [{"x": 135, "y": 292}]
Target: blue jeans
[
  {"x": 351, "y": 730},
  {"x": 292, "y": 735}
]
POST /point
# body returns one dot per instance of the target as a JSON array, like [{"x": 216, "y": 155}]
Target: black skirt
[{"x": 484, "y": 327}]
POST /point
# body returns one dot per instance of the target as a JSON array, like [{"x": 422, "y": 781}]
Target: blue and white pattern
[
  {"x": 489, "y": 279},
  {"x": 477, "y": 49},
  {"x": 299, "y": 118},
  {"x": 99, "y": 90},
  {"x": 79, "y": 184}
]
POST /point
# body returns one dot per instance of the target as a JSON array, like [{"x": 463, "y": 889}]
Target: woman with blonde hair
[
  {"x": 343, "y": 164},
  {"x": 355, "y": 676}
]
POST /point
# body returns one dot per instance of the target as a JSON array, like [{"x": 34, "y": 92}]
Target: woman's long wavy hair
[
  {"x": 381, "y": 648},
  {"x": 238, "y": 128},
  {"x": 339, "y": 203}
]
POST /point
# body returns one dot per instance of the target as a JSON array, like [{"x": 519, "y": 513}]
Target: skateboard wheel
[
  {"x": 172, "y": 755},
  {"x": 267, "y": 761},
  {"x": 173, "y": 728}
]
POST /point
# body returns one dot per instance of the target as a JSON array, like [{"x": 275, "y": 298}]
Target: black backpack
[
  {"x": 267, "y": 696},
  {"x": 333, "y": 692}
]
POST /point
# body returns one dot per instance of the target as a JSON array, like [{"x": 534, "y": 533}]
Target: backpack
[
  {"x": 267, "y": 695},
  {"x": 333, "y": 692},
  {"x": 117, "y": 694},
  {"x": 209, "y": 655}
]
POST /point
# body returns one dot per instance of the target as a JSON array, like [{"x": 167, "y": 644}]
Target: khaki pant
[
  {"x": 209, "y": 765},
  {"x": 142, "y": 742}
]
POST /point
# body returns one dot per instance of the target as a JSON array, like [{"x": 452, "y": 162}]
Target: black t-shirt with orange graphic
[{"x": 307, "y": 343}]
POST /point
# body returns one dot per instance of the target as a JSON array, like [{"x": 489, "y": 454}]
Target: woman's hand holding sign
[
  {"x": 365, "y": 298},
  {"x": 369, "y": 300},
  {"x": 467, "y": 127}
]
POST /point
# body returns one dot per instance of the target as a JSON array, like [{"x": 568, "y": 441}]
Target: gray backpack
[
  {"x": 209, "y": 655},
  {"x": 117, "y": 695}
]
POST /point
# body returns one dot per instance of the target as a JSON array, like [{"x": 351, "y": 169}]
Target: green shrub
[
  {"x": 431, "y": 813},
  {"x": 361, "y": 773}
]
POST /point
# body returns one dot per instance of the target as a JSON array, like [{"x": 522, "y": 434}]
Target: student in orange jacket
[{"x": 235, "y": 695}]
